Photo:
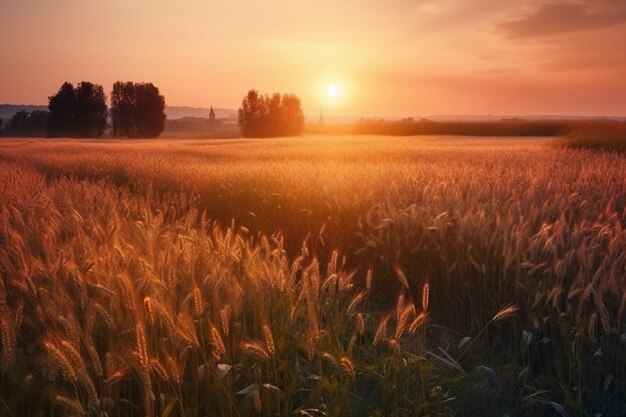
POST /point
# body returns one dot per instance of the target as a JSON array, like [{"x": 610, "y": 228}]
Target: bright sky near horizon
[{"x": 392, "y": 58}]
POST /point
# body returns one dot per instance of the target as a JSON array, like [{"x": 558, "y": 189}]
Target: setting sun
[
  {"x": 332, "y": 91},
  {"x": 344, "y": 208}
]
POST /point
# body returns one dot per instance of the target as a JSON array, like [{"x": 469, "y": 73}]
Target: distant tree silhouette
[
  {"x": 78, "y": 112},
  {"x": 253, "y": 115},
  {"x": 265, "y": 116},
  {"x": 275, "y": 123},
  {"x": 25, "y": 124},
  {"x": 137, "y": 110},
  {"x": 211, "y": 115},
  {"x": 123, "y": 109},
  {"x": 91, "y": 110},
  {"x": 62, "y": 107},
  {"x": 293, "y": 118}
]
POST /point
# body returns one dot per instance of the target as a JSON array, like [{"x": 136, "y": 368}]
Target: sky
[{"x": 392, "y": 58}]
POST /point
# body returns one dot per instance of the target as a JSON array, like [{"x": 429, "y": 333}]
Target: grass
[
  {"x": 579, "y": 133},
  {"x": 409, "y": 127},
  {"x": 609, "y": 135},
  {"x": 311, "y": 276}
]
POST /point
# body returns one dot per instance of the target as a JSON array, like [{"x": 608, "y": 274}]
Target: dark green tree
[{"x": 137, "y": 110}]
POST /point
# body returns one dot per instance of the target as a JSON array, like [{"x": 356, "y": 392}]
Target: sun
[{"x": 332, "y": 91}]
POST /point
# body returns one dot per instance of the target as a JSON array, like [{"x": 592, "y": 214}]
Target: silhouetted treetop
[
  {"x": 62, "y": 107},
  {"x": 91, "y": 110},
  {"x": 27, "y": 124},
  {"x": 253, "y": 115},
  {"x": 267, "y": 116},
  {"x": 78, "y": 112},
  {"x": 137, "y": 110}
]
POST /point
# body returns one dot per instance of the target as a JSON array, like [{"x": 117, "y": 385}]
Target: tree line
[
  {"x": 138, "y": 111},
  {"x": 266, "y": 116}
]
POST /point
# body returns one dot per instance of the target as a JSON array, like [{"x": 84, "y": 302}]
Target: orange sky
[{"x": 391, "y": 58}]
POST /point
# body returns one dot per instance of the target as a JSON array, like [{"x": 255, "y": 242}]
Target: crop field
[{"x": 312, "y": 276}]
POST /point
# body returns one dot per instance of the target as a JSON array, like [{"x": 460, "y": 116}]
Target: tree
[
  {"x": 62, "y": 107},
  {"x": 293, "y": 117},
  {"x": 137, "y": 110},
  {"x": 79, "y": 112},
  {"x": 265, "y": 116},
  {"x": 253, "y": 115},
  {"x": 25, "y": 124},
  {"x": 275, "y": 123},
  {"x": 91, "y": 110}
]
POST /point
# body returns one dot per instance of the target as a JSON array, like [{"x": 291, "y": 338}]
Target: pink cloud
[{"x": 558, "y": 17}]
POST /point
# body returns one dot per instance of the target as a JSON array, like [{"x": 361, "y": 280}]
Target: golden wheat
[{"x": 126, "y": 269}]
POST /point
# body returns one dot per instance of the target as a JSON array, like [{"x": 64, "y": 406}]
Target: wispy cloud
[
  {"x": 558, "y": 17},
  {"x": 597, "y": 51}
]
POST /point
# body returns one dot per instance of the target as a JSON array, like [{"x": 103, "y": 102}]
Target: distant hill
[{"x": 8, "y": 110}]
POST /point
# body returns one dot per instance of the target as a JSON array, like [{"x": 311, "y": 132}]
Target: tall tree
[
  {"x": 78, "y": 112},
  {"x": 91, "y": 110},
  {"x": 137, "y": 110},
  {"x": 275, "y": 121},
  {"x": 293, "y": 117},
  {"x": 123, "y": 109},
  {"x": 253, "y": 115},
  {"x": 62, "y": 107},
  {"x": 264, "y": 116}
]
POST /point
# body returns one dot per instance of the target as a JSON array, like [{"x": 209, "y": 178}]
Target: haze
[{"x": 389, "y": 59}]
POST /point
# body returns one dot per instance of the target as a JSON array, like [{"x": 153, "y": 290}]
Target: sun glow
[{"x": 332, "y": 91}]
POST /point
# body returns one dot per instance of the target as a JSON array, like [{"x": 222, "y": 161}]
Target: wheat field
[{"x": 312, "y": 276}]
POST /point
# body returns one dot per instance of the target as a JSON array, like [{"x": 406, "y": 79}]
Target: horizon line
[{"x": 416, "y": 117}]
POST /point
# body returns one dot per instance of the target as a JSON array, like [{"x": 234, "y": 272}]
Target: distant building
[{"x": 211, "y": 115}]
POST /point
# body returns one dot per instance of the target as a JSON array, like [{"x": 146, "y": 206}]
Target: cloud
[
  {"x": 562, "y": 16},
  {"x": 585, "y": 51}
]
